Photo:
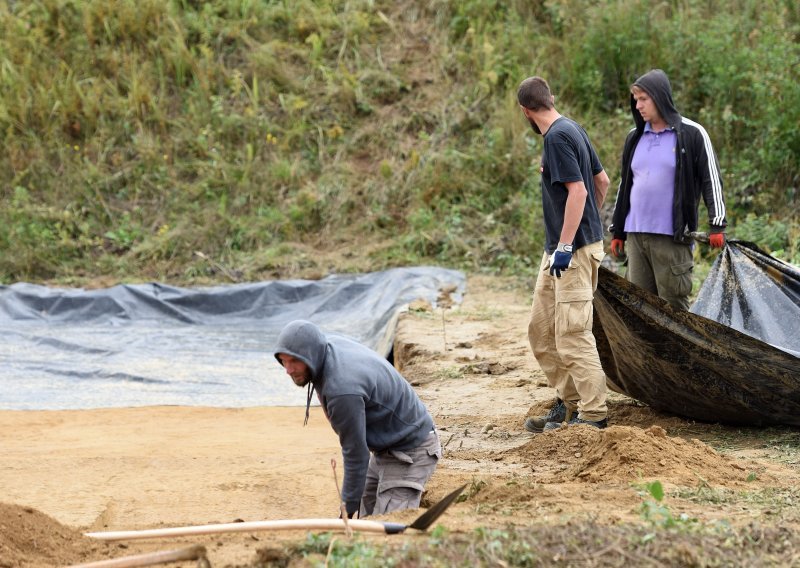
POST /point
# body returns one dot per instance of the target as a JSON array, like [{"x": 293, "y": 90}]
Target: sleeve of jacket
[
  {"x": 616, "y": 228},
  {"x": 711, "y": 182},
  {"x": 623, "y": 198},
  {"x": 348, "y": 419}
]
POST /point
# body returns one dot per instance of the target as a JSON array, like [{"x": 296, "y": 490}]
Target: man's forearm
[
  {"x": 355, "y": 478},
  {"x": 346, "y": 414},
  {"x": 601, "y": 183},
  {"x": 573, "y": 211}
]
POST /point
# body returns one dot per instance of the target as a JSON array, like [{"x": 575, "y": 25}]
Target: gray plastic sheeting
[
  {"x": 755, "y": 293},
  {"x": 152, "y": 344}
]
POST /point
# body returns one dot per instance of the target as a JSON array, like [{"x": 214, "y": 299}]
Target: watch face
[{"x": 568, "y": 248}]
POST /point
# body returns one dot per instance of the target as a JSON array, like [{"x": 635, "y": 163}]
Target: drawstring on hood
[
  {"x": 305, "y": 341},
  {"x": 308, "y": 401}
]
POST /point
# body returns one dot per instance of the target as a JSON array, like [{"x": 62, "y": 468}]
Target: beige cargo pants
[
  {"x": 395, "y": 480},
  {"x": 560, "y": 333}
]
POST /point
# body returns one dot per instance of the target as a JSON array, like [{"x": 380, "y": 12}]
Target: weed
[
  {"x": 658, "y": 515},
  {"x": 449, "y": 373},
  {"x": 482, "y": 313}
]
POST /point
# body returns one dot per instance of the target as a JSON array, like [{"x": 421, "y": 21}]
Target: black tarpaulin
[
  {"x": 750, "y": 291},
  {"x": 686, "y": 364},
  {"x": 152, "y": 344}
]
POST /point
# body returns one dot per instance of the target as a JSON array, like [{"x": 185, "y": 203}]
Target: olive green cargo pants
[{"x": 661, "y": 266}]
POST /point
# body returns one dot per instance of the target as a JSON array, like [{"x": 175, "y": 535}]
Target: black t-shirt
[{"x": 569, "y": 156}]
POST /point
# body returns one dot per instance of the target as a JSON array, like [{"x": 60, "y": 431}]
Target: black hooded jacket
[
  {"x": 369, "y": 404},
  {"x": 696, "y": 169}
]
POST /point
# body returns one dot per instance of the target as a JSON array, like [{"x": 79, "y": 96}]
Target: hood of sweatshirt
[
  {"x": 656, "y": 84},
  {"x": 305, "y": 341}
]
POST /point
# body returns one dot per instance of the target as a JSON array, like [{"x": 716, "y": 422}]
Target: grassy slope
[
  {"x": 295, "y": 138},
  {"x": 286, "y": 138}
]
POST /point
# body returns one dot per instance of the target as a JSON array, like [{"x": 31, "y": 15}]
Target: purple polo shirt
[{"x": 653, "y": 168}]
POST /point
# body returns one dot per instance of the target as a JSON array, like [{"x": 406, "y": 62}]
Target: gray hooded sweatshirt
[{"x": 369, "y": 404}]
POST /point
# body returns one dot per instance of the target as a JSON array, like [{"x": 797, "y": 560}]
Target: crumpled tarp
[
  {"x": 153, "y": 344},
  {"x": 687, "y": 364},
  {"x": 749, "y": 290}
]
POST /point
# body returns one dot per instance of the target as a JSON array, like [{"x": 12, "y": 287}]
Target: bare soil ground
[{"x": 64, "y": 473}]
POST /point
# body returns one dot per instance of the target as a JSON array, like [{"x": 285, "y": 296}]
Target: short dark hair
[{"x": 534, "y": 94}]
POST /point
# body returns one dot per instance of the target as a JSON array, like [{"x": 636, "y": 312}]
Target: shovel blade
[{"x": 427, "y": 518}]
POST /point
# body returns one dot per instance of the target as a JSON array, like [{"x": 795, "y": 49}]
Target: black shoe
[
  {"x": 558, "y": 413},
  {"x": 596, "y": 423}
]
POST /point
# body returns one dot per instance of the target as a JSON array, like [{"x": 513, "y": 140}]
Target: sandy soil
[{"x": 64, "y": 473}]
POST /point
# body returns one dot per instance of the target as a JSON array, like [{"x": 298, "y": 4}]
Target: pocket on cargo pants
[
  {"x": 396, "y": 495},
  {"x": 574, "y": 311},
  {"x": 682, "y": 273},
  {"x": 403, "y": 475}
]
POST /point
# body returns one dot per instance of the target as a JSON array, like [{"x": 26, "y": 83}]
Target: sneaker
[
  {"x": 557, "y": 414},
  {"x": 596, "y": 423}
]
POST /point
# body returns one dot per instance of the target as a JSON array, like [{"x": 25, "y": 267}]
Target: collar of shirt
[{"x": 649, "y": 129}]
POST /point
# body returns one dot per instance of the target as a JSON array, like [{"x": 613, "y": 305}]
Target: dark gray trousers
[{"x": 395, "y": 480}]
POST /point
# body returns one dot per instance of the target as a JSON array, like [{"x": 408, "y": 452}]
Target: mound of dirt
[
  {"x": 629, "y": 412},
  {"x": 626, "y": 454},
  {"x": 30, "y": 538}
]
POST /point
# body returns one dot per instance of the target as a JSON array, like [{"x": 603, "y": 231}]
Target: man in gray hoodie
[{"x": 389, "y": 445}]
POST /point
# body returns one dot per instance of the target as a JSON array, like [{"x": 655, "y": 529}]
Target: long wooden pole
[
  {"x": 149, "y": 558},
  {"x": 253, "y": 526}
]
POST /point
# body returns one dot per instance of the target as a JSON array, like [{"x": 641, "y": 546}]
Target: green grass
[
  {"x": 136, "y": 133},
  {"x": 584, "y": 544}
]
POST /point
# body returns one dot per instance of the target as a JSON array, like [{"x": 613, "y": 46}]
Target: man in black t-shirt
[{"x": 574, "y": 186}]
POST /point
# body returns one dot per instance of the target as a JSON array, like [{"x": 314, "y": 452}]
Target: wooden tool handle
[
  {"x": 149, "y": 559},
  {"x": 251, "y": 526}
]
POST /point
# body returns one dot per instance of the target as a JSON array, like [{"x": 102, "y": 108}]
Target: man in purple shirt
[{"x": 668, "y": 164}]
